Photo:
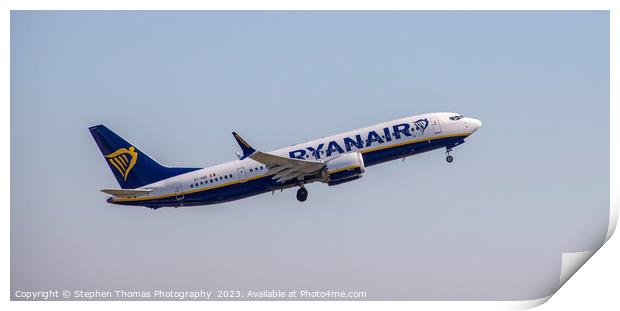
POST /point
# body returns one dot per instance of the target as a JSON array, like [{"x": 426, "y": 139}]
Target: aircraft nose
[{"x": 474, "y": 124}]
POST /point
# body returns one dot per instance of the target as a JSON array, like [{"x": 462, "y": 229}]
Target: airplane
[{"x": 331, "y": 160}]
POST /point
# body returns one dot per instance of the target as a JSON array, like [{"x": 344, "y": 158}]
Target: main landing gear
[
  {"x": 302, "y": 194},
  {"x": 449, "y": 158}
]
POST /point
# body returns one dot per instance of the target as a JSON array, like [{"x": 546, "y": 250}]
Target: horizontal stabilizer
[{"x": 126, "y": 193}]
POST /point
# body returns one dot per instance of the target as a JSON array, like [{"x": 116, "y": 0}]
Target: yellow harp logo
[{"x": 123, "y": 160}]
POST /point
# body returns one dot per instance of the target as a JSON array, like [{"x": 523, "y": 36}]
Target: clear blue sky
[{"x": 532, "y": 183}]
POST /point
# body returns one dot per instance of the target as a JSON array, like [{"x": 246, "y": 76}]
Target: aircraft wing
[{"x": 284, "y": 168}]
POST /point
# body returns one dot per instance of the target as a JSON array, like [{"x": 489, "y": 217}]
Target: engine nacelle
[{"x": 344, "y": 168}]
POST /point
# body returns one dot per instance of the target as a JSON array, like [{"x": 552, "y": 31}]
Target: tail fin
[{"x": 131, "y": 167}]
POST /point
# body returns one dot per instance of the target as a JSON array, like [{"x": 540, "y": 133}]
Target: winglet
[{"x": 245, "y": 147}]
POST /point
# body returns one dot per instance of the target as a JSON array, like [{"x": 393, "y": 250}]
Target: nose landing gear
[{"x": 449, "y": 158}]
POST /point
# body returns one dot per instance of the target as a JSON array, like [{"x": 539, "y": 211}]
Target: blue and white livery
[{"x": 332, "y": 160}]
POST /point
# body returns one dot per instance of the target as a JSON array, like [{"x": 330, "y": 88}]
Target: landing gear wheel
[
  {"x": 302, "y": 194},
  {"x": 449, "y": 159}
]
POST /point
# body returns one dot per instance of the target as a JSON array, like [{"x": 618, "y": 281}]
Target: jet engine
[{"x": 344, "y": 168}]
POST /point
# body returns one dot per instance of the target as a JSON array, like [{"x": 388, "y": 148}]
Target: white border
[{"x": 596, "y": 283}]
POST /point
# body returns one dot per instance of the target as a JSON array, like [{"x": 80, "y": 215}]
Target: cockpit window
[{"x": 460, "y": 116}]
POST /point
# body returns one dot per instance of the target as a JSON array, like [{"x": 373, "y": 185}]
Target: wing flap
[
  {"x": 304, "y": 166},
  {"x": 288, "y": 176}
]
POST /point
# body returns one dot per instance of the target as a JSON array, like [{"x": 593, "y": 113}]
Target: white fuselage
[{"x": 377, "y": 143}]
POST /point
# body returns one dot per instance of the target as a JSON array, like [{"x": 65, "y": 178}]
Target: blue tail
[{"x": 131, "y": 167}]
